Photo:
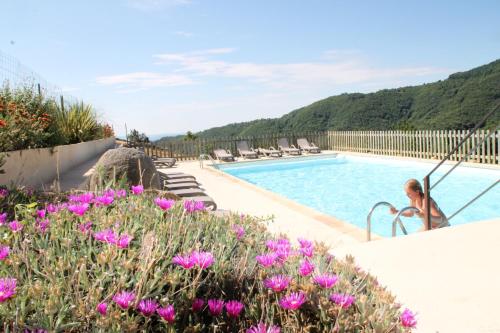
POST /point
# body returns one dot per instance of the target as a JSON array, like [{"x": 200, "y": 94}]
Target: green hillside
[{"x": 458, "y": 102}]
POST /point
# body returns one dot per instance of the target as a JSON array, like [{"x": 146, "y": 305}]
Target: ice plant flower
[
  {"x": 124, "y": 241},
  {"x": 274, "y": 245},
  {"x": 191, "y": 206},
  {"x": 138, "y": 189},
  {"x": 198, "y": 304},
  {"x": 7, "y": 288},
  {"x": 42, "y": 225},
  {"x": 121, "y": 193},
  {"x": 266, "y": 260},
  {"x": 102, "y": 308},
  {"x": 147, "y": 307},
  {"x": 4, "y": 252},
  {"x": 3, "y": 218},
  {"x": 239, "y": 231},
  {"x": 215, "y": 306},
  {"x": 15, "y": 226},
  {"x": 106, "y": 236},
  {"x": 164, "y": 204},
  {"x": 82, "y": 198},
  {"x": 78, "y": 209},
  {"x": 233, "y": 308},
  {"x": 202, "y": 259},
  {"x": 305, "y": 243},
  {"x": 262, "y": 328},
  {"x": 293, "y": 301},
  {"x": 3, "y": 193},
  {"x": 326, "y": 280},
  {"x": 408, "y": 319},
  {"x": 41, "y": 213},
  {"x": 85, "y": 227},
  {"x": 52, "y": 208},
  {"x": 184, "y": 261},
  {"x": 343, "y": 300},
  {"x": 104, "y": 200},
  {"x": 124, "y": 299},
  {"x": 277, "y": 283},
  {"x": 306, "y": 268},
  {"x": 167, "y": 313}
]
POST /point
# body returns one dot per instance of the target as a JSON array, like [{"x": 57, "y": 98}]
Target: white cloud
[{"x": 137, "y": 81}]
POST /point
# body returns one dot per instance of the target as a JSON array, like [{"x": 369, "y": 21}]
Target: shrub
[
  {"x": 78, "y": 123},
  {"x": 118, "y": 261}
]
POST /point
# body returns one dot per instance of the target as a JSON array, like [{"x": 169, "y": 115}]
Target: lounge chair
[
  {"x": 188, "y": 192},
  {"x": 307, "y": 147},
  {"x": 245, "y": 151},
  {"x": 180, "y": 186},
  {"x": 286, "y": 148},
  {"x": 271, "y": 152},
  {"x": 223, "y": 155},
  {"x": 166, "y": 162},
  {"x": 175, "y": 175}
]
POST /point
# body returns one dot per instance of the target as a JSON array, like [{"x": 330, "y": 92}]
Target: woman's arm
[{"x": 408, "y": 213}]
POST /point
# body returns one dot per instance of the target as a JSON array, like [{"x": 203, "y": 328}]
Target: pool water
[{"x": 347, "y": 187}]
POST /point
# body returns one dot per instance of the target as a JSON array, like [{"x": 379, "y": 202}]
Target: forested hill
[{"x": 458, "y": 102}]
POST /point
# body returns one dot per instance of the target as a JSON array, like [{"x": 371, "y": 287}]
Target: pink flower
[
  {"x": 293, "y": 301},
  {"x": 306, "y": 247},
  {"x": 277, "y": 283},
  {"x": 7, "y": 288},
  {"x": 3, "y": 218},
  {"x": 326, "y": 280},
  {"x": 106, "y": 236},
  {"x": 121, "y": 193},
  {"x": 104, "y": 200},
  {"x": 4, "y": 252},
  {"x": 102, "y": 308},
  {"x": 408, "y": 319},
  {"x": 124, "y": 241},
  {"x": 191, "y": 206},
  {"x": 164, "y": 204},
  {"x": 274, "y": 245},
  {"x": 41, "y": 213},
  {"x": 305, "y": 242},
  {"x": 239, "y": 231},
  {"x": 233, "y": 308},
  {"x": 3, "y": 193},
  {"x": 147, "y": 307},
  {"x": 85, "y": 227},
  {"x": 202, "y": 259},
  {"x": 167, "y": 313},
  {"x": 15, "y": 226},
  {"x": 82, "y": 198},
  {"x": 266, "y": 260},
  {"x": 109, "y": 193},
  {"x": 42, "y": 225},
  {"x": 185, "y": 261},
  {"x": 215, "y": 306},
  {"x": 78, "y": 209},
  {"x": 124, "y": 299},
  {"x": 52, "y": 208},
  {"x": 343, "y": 300},
  {"x": 262, "y": 328},
  {"x": 197, "y": 305},
  {"x": 138, "y": 189},
  {"x": 306, "y": 268}
]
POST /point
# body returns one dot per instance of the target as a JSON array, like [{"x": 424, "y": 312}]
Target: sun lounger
[
  {"x": 176, "y": 175},
  {"x": 245, "y": 151},
  {"x": 179, "y": 180},
  {"x": 271, "y": 152},
  {"x": 188, "y": 192},
  {"x": 223, "y": 155},
  {"x": 163, "y": 162},
  {"x": 180, "y": 186},
  {"x": 305, "y": 146},
  {"x": 209, "y": 202},
  {"x": 286, "y": 148}
]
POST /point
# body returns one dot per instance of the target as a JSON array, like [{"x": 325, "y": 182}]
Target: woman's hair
[{"x": 414, "y": 185}]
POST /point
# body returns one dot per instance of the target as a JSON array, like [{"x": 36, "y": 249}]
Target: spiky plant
[{"x": 78, "y": 123}]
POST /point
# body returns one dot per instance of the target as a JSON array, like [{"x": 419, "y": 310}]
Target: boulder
[{"x": 124, "y": 162}]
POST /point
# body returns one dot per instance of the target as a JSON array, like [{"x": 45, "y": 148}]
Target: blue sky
[{"x": 169, "y": 66}]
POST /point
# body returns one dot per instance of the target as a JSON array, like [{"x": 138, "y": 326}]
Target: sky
[{"x": 171, "y": 66}]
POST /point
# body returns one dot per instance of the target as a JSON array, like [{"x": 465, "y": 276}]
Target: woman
[{"x": 414, "y": 191}]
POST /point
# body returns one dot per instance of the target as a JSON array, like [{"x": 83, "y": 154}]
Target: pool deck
[{"x": 448, "y": 276}]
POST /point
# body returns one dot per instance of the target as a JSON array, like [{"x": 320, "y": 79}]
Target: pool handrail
[
  {"x": 204, "y": 157},
  {"x": 397, "y": 220},
  {"x": 369, "y": 218}
]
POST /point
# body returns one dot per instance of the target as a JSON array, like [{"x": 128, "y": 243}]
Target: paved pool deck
[{"x": 450, "y": 277}]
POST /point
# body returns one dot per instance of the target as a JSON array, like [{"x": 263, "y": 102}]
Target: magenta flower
[
  {"x": 185, "y": 261},
  {"x": 343, "y": 300},
  {"x": 293, "y": 301},
  {"x": 266, "y": 260},
  {"x": 52, "y": 208},
  {"x": 82, "y": 198},
  {"x": 233, "y": 308},
  {"x": 102, "y": 308},
  {"x": 104, "y": 200},
  {"x": 215, "y": 306},
  {"x": 274, "y": 245},
  {"x": 106, "y": 236},
  {"x": 239, "y": 231},
  {"x": 4, "y": 252},
  {"x": 42, "y": 225},
  {"x": 198, "y": 304},
  {"x": 164, "y": 204},
  {"x": 15, "y": 226},
  {"x": 124, "y": 241},
  {"x": 41, "y": 213},
  {"x": 124, "y": 299},
  {"x": 121, "y": 193},
  {"x": 277, "y": 283},
  {"x": 191, "y": 206},
  {"x": 138, "y": 189},
  {"x": 147, "y": 307},
  {"x": 408, "y": 319},
  {"x": 85, "y": 227},
  {"x": 202, "y": 259},
  {"x": 326, "y": 280},
  {"x": 3, "y": 218},
  {"x": 262, "y": 328},
  {"x": 306, "y": 268},
  {"x": 305, "y": 242},
  {"x": 78, "y": 209},
  {"x": 7, "y": 288},
  {"x": 3, "y": 193},
  {"x": 306, "y": 247},
  {"x": 167, "y": 313}
]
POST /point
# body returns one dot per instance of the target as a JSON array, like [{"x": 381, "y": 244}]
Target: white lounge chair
[
  {"x": 223, "y": 155},
  {"x": 271, "y": 152},
  {"x": 286, "y": 148},
  {"x": 245, "y": 151},
  {"x": 308, "y": 147}
]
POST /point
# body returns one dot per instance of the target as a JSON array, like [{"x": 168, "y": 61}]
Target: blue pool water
[{"x": 348, "y": 186}]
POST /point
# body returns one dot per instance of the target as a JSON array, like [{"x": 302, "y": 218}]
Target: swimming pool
[{"x": 347, "y": 187}]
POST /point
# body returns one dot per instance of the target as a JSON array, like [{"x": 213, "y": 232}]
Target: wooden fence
[{"x": 419, "y": 144}]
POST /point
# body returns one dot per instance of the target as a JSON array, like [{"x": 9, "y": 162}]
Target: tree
[
  {"x": 190, "y": 136},
  {"x": 137, "y": 137}
]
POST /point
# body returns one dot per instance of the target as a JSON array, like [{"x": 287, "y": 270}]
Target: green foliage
[
  {"x": 63, "y": 273},
  {"x": 78, "y": 123},
  {"x": 137, "y": 137},
  {"x": 190, "y": 136}
]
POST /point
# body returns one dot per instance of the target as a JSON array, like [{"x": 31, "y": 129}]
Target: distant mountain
[{"x": 458, "y": 102}]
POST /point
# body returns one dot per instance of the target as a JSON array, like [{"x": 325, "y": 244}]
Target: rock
[{"x": 122, "y": 162}]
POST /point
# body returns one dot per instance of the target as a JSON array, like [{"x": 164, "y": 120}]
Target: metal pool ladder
[
  {"x": 395, "y": 221},
  {"x": 204, "y": 157}
]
